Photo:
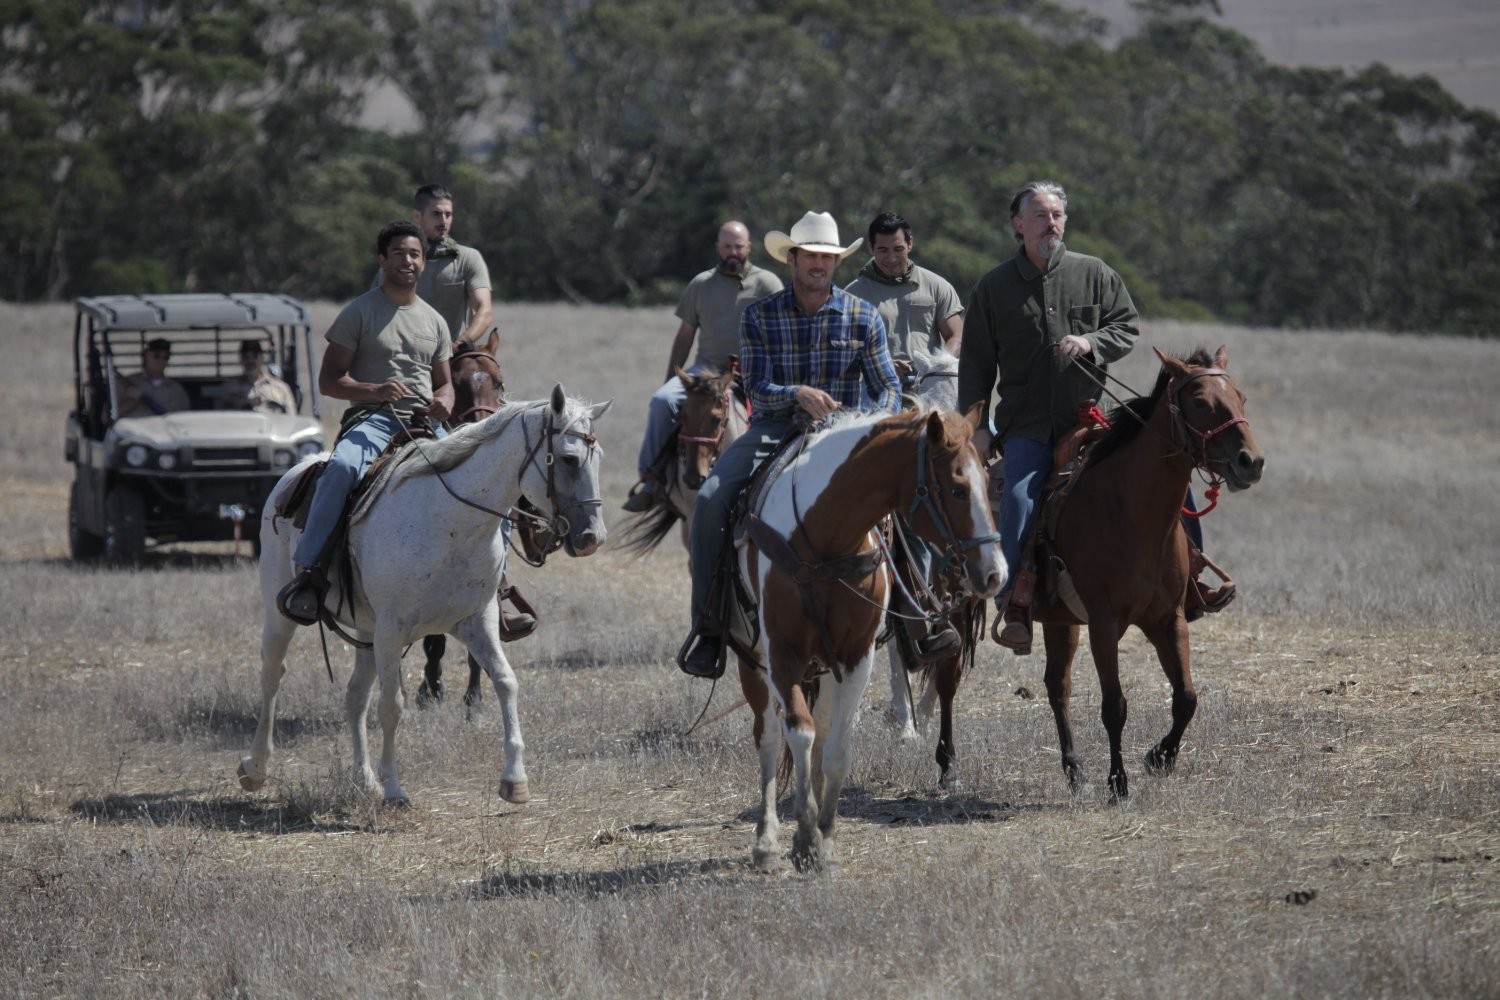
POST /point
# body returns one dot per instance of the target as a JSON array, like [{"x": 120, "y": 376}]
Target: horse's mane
[
  {"x": 460, "y": 444},
  {"x": 1123, "y": 427}
]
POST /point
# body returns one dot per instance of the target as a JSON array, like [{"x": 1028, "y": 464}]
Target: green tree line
[{"x": 162, "y": 145}]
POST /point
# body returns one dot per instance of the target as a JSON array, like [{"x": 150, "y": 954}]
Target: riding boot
[
  {"x": 302, "y": 599},
  {"x": 940, "y": 641},
  {"x": 642, "y": 496},
  {"x": 1200, "y": 598},
  {"x": 706, "y": 658},
  {"x": 519, "y": 623},
  {"x": 1013, "y": 628}
]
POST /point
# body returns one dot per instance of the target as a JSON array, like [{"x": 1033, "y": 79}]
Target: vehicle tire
[
  {"x": 124, "y": 527},
  {"x": 83, "y": 545}
]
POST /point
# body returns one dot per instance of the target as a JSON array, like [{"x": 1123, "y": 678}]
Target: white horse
[{"x": 426, "y": 556}]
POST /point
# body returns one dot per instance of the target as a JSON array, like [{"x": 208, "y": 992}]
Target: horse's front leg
[
  {"x": 1170, "y": 639},
  {"x": 1062, "y": 647},
  {"x": 766, "y": 731},
  {"x": 945, "y": 680},
  {"x": 275, "y": 636},
  {"x": 842, "y": 701},
  {"x": 481, "y": 632},
  {"x": 356, "y": 709},
  {"x": 801, "y": 733},
  {"x": 1104, "y": 644}
]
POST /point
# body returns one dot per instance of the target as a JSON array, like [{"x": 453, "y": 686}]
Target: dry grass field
[{"x": 1332, "y": 829}]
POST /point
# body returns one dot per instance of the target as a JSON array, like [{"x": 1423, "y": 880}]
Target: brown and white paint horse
[{"x": 818, "y": 629}]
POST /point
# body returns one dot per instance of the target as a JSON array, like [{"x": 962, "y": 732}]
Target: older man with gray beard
[{"x": 1028, "y": 320}]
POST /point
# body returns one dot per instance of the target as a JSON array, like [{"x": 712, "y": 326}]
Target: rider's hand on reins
[{"x": 815, "y": 402}]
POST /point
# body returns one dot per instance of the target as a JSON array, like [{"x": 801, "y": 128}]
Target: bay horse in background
[
  {"x": 816, "y": 566},
  {"x": 933, "y": 383},
  {"x": 478, "y": 390},
  {"x": 425, "y": 554},
  {"x": 712, "y": 417},
  {"x": 1116, "y": 540}
]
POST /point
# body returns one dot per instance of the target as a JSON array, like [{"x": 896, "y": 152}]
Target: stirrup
[
  {"x": 301, "y": 600},
  {"x": 1202, "y": 599},
  {"x": 521, "y": 624},
  {"x": 1012, "y": 629}
]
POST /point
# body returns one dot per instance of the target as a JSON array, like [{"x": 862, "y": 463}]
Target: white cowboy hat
[{"x": 815, "y": 231}]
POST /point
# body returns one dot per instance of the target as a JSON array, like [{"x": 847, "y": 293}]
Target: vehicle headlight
[
  {"x": 136, "y": 455},
  {"x": 307, "y": 448},
  {"x": 282, "y": 458},
  {"x": 167, "y": 460}
]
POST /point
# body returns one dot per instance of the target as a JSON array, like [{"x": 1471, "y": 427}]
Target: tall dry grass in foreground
[{"x": 1333, "y": 828}]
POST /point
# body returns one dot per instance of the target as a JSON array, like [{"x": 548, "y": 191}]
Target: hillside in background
[
  {"x": 1220, "y": 183},
  {"x": 1457, "y": 42}
]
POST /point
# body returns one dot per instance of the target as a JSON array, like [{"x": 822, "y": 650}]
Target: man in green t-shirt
[
  {"x": 387, "y": 354},
  {"x": 921, "y": 309},
  {"x": 709, "y": 311},
  {"x": 455, "y": 280}
]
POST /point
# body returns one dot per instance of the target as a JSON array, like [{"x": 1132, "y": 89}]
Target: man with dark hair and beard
[
  {"x": 711, "y": 305},
  {"x": 1028, "y": 320}
]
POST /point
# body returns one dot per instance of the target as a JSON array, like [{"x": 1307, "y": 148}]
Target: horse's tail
[{"x": 647, "y": 530}]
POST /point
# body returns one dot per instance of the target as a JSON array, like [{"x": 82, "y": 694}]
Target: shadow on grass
[
  {"x": 182, "y": 808},
  {"x": 920, "y": 809},
  {"x": 599, "y": 883}
]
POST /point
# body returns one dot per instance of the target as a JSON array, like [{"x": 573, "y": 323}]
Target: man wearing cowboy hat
[
  {"x": 805, "y": 352},
  {"x": 710, "y": 311}
]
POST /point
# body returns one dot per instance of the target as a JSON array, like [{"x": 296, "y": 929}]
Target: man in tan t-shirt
[
  {"x": 709, "y": 311},
  {"x": 456, "y": 280},
  {"x": 387, "y": 354}
]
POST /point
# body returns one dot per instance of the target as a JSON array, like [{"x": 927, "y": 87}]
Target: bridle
[
  {"x": 1183, "y": 433},
  {"x": 954, "y": 548},
  {"x": 1183, "y": 430},
  {"x": 559, "y": 526},
  {"x": 726, "y": 403},
  {"x": 492, "y": 368}
]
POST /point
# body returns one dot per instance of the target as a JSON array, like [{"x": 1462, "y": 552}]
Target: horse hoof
[
  {"x": 951, "y": 782},
  {"x": 1160, "y": 763},
  {"x": 429, "y": 696},
  {"x": 248, "y": 781},
  {"x": 518, "y": 792},
  {"x": 398, "y": 801},
  {"x": 768, "y": 862}
]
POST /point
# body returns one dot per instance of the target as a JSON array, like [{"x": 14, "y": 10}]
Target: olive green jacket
[{"x": 1016, "y": 314}]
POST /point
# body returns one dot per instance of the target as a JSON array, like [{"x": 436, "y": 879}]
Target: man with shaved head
[{"x": 710, "y": 311}]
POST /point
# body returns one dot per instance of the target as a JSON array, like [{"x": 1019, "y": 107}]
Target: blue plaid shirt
[{"x": 840, "y": 349}]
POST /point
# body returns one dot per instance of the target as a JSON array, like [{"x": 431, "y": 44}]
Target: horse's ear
[
  {"x": 1171, "y": 364},
  {"x": 973, "y": 415},
  {"x": 1221, "y": 357},
  {"x": 559, "y": 399},
  {"x": 936, "y": 432},
  {"x": 492, "y": 343},
  {"x": 598, "y": 409},
  {"x": 684, "y": 378}
]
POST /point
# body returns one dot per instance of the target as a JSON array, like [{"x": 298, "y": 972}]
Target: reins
[{"x": 1182, "y": 430}]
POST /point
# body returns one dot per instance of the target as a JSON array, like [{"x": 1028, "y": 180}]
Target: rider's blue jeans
[
  {"x": 352, "y": 454},
  {"x": 731, "y": 472}
]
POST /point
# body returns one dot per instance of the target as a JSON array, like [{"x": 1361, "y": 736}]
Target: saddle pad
[{"x": 754, "y": 496}]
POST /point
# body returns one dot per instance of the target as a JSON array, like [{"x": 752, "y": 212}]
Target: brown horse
[
  {"x": 477, "y": 390},
  {"x": 1118, "y": 537},
  {"x": 934, "y": 383},
  {"x": 815, "y": 567},
  {"x": 712, "y": 418}
]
